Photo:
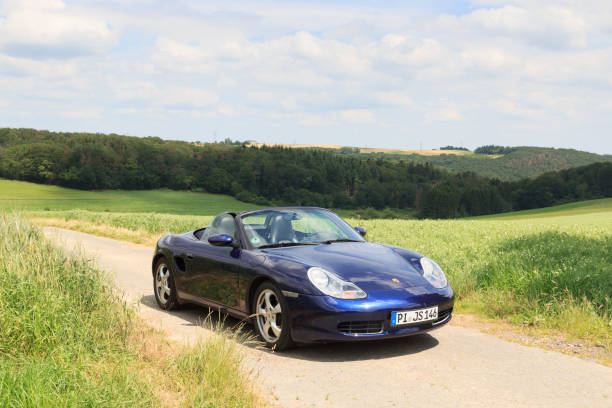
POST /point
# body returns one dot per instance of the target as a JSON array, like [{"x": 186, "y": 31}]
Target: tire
[
  {"x": 272, "y": 327},
  {"x": 163, "y": 286}
]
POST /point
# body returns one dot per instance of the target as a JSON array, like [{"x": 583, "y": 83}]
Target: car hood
[{"x": 371, "y": 266}]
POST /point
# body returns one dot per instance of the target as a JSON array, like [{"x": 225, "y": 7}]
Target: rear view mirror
[
  {"x": 220, "y": 240},
  {"x": 361, "y": 231}
]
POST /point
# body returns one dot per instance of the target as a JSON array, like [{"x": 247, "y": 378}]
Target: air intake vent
[
  {"x": 369, "y": 327},
  {"x": 443, "y": 315}
]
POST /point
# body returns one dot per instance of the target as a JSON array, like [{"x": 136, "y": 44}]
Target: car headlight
[
  {"x": 433, "y": 273},
  {"x": 331, "y": 285}
]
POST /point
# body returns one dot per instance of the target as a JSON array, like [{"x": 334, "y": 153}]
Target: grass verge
[{"x": 67, "y": 340}]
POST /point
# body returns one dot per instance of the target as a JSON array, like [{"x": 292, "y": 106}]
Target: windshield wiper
[
  {"x": 285, "y": 244},
  {"x": 329, "y": 241}
]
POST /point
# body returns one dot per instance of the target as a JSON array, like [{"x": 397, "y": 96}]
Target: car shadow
[
  {"x": 362, "y": 350},
  {"x": 326, "y": 352}
]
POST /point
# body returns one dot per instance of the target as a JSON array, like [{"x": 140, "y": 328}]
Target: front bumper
[{"x": 316, "y": 319}]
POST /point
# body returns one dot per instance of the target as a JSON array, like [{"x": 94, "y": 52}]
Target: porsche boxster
[{"x": 301, "y": 275}]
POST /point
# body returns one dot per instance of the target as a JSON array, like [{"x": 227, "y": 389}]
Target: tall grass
[
  {"x": 148, "y": 222},
  {"x": 66, "y": 340},
  {"x": 63, "y": 332},
  {"x": 140, "y": 228},
  {"x": 209, "y": 367}
]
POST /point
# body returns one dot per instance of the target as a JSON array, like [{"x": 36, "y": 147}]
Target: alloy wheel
[
  {"x": 162, "y": 285},
  {"x": 269, "y": 315}
]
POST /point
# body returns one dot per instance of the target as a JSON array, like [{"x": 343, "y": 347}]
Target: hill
[
  {"x": 518, "y": 163},
  {"x": 522, "y": 162}
]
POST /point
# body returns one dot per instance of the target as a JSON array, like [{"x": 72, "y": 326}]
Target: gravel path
[{"x": 451, "y": 366}]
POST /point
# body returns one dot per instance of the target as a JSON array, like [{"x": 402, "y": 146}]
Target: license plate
[{"x": 414, "y": 316}]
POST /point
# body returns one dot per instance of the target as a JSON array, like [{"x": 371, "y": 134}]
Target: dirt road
[{"x": 453, "y": 366}]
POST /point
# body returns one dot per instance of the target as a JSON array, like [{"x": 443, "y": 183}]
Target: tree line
[
  {"x": 281, "y": 176},
  {"x": 494, "y": 149}
]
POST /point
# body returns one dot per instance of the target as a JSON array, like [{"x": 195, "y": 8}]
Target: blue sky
[{"x": 363, "y": 73}]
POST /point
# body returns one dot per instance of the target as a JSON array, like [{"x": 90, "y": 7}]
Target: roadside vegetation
[
  {"x": 550, "y": 272},
  {"x": 67, "y": 340}
]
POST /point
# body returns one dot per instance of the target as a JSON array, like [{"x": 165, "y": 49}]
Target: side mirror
[
  {"x": 361, "y": 231},
  {"x": 221, "y": 240}
]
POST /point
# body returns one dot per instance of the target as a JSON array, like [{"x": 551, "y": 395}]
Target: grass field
[
  {"x": 68, "y": 341},
  {"x": 603, "y": 205},
  {"x": 20, "y": 195},
  {"x": 32, "y": 197}
]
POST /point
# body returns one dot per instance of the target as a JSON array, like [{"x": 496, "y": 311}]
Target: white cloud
[
  {"x": 51, "y": 29},
  {"x": 396, "y": 98},
  {"x": 84, "y": 113},
  {"x": 226, "y": 110},
  {"x": 250, "y": 67},
  {"x": 550, "y": 26},
  {"x": 171, "y": 96},
  {"x": 512, "y": 108},
  {"x": 443, "y": 115},
  {"x": 357, "y": 116}
]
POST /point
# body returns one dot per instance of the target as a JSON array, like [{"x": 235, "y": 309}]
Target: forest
[{"x": 282, "y": 176}]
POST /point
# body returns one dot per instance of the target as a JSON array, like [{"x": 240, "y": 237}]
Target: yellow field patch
[{"x": 422, "y": 152}]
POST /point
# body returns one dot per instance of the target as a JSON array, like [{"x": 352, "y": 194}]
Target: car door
[{"x": 214, "y": 270}]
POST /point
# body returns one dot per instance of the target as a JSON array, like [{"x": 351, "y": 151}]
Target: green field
[
  {"x": 20, "y": 195},
  {"x": 25, "y": 196},
  {"x": 603, "y": 205}
]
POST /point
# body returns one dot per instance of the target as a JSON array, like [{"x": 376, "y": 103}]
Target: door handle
[{"x": 189, "y": 256}]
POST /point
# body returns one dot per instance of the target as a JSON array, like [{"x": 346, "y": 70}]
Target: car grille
[{"x": 367, "y": 327}]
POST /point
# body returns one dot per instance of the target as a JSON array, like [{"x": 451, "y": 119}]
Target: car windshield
[{"x": 296, "y": 226}]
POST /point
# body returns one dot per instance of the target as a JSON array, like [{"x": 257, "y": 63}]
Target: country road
[{"x": 453, "y": 366}]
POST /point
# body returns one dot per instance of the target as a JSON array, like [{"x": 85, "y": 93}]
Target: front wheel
[
  {"x": 163, "y": 286},
  {"x": 272, "y": 317}
]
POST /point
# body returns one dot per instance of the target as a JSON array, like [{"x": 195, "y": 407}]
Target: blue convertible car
[{"x": 301, "y": 275}]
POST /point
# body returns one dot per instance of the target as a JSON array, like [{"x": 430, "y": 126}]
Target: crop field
[{"x": 68, "y": 341}]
